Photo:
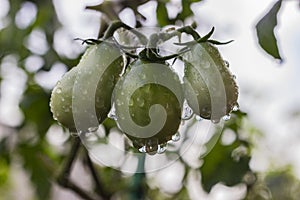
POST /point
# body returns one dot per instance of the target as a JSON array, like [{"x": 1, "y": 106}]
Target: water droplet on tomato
[
  {"x": 226, "y": 117},
  {"x": 58, "y": 90},
  {"x": 198, "y": 118},
  {"x": 162, "y": 148},
  {"x": 112, "y": 113},
  {"x": 176, "y": 137},
  {"x": 226, "y": 63},
  {"x": 236, "y": 107},
  {"x": 142, "y": 149},
  {"x": 187, "y": 111},
  {"x": 141, "y": 102}
]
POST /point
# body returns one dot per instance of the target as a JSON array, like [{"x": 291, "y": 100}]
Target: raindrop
[
  {"x": 141, "y": 102},
  {"x": 236, "y": 107},
  {"x": 226, "y": 117},
  {"x": 233, "y": 76},
  {"x": 142, "y": 149},
  {"x": 58, "y": 90},
  {"x": 112, "y": 113},
  {"x": 226, "y": 63},
  {"x": 162, "y": 148},
  {"x": 187, "y": 112},
  {"x": 198, "y": 118},
  {"x": 93, "y": 129},
  {"x": 176, "y": 137}
]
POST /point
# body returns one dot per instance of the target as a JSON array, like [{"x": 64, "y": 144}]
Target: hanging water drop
[
  {"x": 236, "y": 107},
  {"x": 112, "y": 113},
  {"x": 142, "y": 149},
  {"x": 176, "y": 137},
  {"x": 198, "y": 118},
  {"x": 187, "y": 112},
  {"x": 226, "y": 117},
  {"x": 162, "y": 148},
  {"x": 226, "y": 63}
]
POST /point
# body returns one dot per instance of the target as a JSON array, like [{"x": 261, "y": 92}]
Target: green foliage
[
  {"x": 40, "y": 165},
  {"x": 275, "y": 185},
  {"x": 35, "y": 106},
  {"x": 265, "y": 31},
  {"x": 227, "y": 164}
]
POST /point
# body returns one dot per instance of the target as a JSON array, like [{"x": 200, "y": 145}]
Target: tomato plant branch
[
  {"x": 64, "y": 177},
  {"x": 99, "y": 186},
  {"x": 70, "y": 159},
  {"x": 118, "y": 24}
]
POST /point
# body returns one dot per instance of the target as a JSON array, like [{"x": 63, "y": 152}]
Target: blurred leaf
[
  {"x": 265, "y": 31},
  {"x": 35, "y": 106},
  {"x": 4, "y": 151},
  {"x": 283, "y": 185},
  {"x": 186, "y": 9},
  {"x": 221, "y": 166},
  {"x": 39, "y": 166},
  {"x": 162, "y": 14}
]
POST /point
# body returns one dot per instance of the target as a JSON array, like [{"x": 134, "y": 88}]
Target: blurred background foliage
[{"x": 32, "y": 61}]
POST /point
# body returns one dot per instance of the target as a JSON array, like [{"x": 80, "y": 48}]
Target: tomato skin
[
  {"x": 143, "y": 87},
  {"x": 61, "y": 100},
  {"x": 210, "y": 88},
  {"x": 87, "y": 88}
]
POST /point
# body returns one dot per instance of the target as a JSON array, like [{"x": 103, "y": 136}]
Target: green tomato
[
  {"x": 148, "y": 101},
  {"x": 210, "y": 88},
  {"x": 82, "y": 98},
  {"x": 61, "y": 99}
]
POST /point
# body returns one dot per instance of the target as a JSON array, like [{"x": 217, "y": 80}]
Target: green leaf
[
  {"x": 265, "y": 31},
  {"x": 220, "y": 166}
]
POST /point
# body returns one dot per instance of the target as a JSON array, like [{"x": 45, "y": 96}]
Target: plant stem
[
  {"x": 139, "y": 182},
  {"x": 64, "y": 177},
  {"x": 99, "y": 186},
  {"x": 70, "y": 159}
]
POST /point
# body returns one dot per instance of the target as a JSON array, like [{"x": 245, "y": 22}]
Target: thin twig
[
  {"x": 80, "y": 192},
  {"x": 99, "y": 186},
  {"x": 64, "y": 177}
]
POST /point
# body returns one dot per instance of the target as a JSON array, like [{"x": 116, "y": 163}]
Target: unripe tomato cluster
[{"x": 146, "y": 96}]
